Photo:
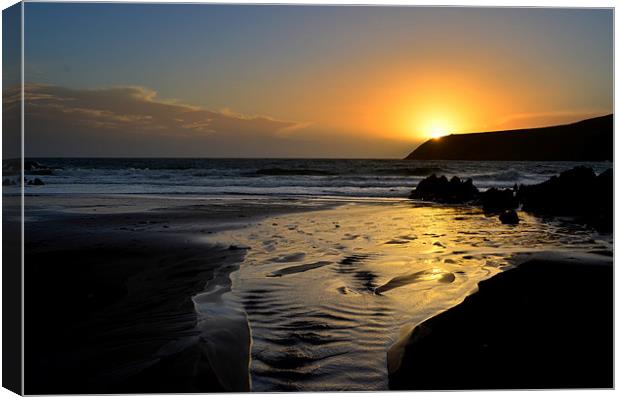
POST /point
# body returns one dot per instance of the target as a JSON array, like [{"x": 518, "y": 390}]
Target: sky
[{"x": 302, "y": 81}]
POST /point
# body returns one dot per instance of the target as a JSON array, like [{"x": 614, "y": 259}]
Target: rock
[
  {"x": 605, "y": 191},
  {"x": 8, "y": 182},
  {"x": 35, "y": 182},
  {"x": 439, "y": 189},
  {"x": 567, "y": 194},
  {"x": 509, "y": 217},
  {"x": 14, "y": 166},
  {"x": 495, "y": 200},
  {"x": 11, "y": 166},
  {"x": 606, "y": 176},
  {"x": 518, "y": 332},
  {"x": 577, "y": 192},
  {"x": 36, "y": 168}
]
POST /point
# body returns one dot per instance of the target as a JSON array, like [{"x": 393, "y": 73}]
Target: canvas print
[{"x": 204, "y": 198}]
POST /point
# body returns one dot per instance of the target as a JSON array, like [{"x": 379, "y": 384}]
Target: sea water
[{"x": 279, "y": 177}]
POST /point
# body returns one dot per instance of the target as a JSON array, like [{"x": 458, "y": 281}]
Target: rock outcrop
[
  {"x": 35, "y": 182},
  {"x": 441, "y": 190},
  {"x": 546, "y": 324},
  {"x": 577, "y": 192},
  {"x": 13, "y": 167},
  {"x": 497, "y": 200}
]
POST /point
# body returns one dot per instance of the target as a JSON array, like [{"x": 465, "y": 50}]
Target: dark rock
[
  {"x": 518, "y": 332},
  {"x": 576, "y": 192},
  {"x": 14, "y": 166},
  {"x": 11, "y": 167},
  {"x": 605, "y": 192},
  {"x": 439, "y": 189},
  {"x": 35, "y": 182},
  {"x": 8, "y": 182},
  {"x": 509, "y": 217},
  {"x": 34, "y": 166},
  {"x": 566, "y": 194},
  {"x": 496, "y": 200}
]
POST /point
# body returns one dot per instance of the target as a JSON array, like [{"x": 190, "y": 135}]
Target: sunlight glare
[{"x": 436, "y": 129}]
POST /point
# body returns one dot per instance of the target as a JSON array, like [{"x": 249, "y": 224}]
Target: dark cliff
[{"x": 587, "y": 140}]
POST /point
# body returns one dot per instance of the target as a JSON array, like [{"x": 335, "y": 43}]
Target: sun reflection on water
[{"x": 328, "y": 292}]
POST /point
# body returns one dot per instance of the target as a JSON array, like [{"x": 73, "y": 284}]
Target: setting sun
[
  {"x": 436, "y": 129},
  {"x": 437, "y": 133}
]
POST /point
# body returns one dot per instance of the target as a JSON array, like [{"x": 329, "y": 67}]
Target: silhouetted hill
[{"x": 587, "y": 140}]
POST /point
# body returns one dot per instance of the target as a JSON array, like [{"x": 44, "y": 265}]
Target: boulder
[
  {"x": 518, "y": 332},
  {"x": 14, "y": 166},
  {"x": 442, "y": 190},
  {"x": 605, "y": 191},
  {"x": 577, "y": 191},
  {"x": 569, "y": 193},
  {"x": 496, "y": 200},
  {"x": 11, "y": 167},
  {"x": 35, "y": 182},
  {"x": 509, "y": 217}
]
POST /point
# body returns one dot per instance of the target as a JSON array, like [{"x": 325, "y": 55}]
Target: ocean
[{"x": 368, "y": 178}]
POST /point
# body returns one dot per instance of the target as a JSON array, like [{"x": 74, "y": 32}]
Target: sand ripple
[{"x": 350, "y": 288}]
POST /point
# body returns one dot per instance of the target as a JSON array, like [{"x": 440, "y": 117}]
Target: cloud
[
  {"x": 137, "y": 110},
  {"x": 132, "y": 121}
]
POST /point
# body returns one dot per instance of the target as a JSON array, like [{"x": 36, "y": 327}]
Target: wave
[
  {"x": 403, "y": 171},
  {"x": 283, "y": 171},
  {"x": 508, "y": 175},
  {"x": 284, "y": 177}
]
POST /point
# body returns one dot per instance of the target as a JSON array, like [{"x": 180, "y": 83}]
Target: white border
[{"x": 470, "y": 3}]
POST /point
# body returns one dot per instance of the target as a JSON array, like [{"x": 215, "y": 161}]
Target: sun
[
  {"x": 436, "y": 129},
  {"x": 437, "y": 133},
  {"x": 431, "y": 124}
]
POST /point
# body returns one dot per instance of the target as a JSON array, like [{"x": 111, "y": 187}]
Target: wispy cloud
[
  {"x": 135, "y": 109},
  {"x": 133, "y": 121}
]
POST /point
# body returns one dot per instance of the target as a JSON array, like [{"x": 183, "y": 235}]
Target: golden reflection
[{"x": 355, "y": 275}]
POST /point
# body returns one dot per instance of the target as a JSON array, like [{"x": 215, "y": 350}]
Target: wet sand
[
  {"x": 328, "y": 293},
  {"x": 117, "y": 294},
  {"x": 159, "y": 294}
]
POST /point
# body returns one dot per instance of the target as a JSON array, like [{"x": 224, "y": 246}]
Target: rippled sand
[{"x": 326, "y": 293}]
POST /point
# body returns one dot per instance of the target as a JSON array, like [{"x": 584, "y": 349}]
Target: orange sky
[{"x": 290, "y": 81}]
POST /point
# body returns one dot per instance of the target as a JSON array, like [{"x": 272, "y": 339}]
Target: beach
[
  {"x": 186, "y": 293},
  {"x": 110, "y": 292}
]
